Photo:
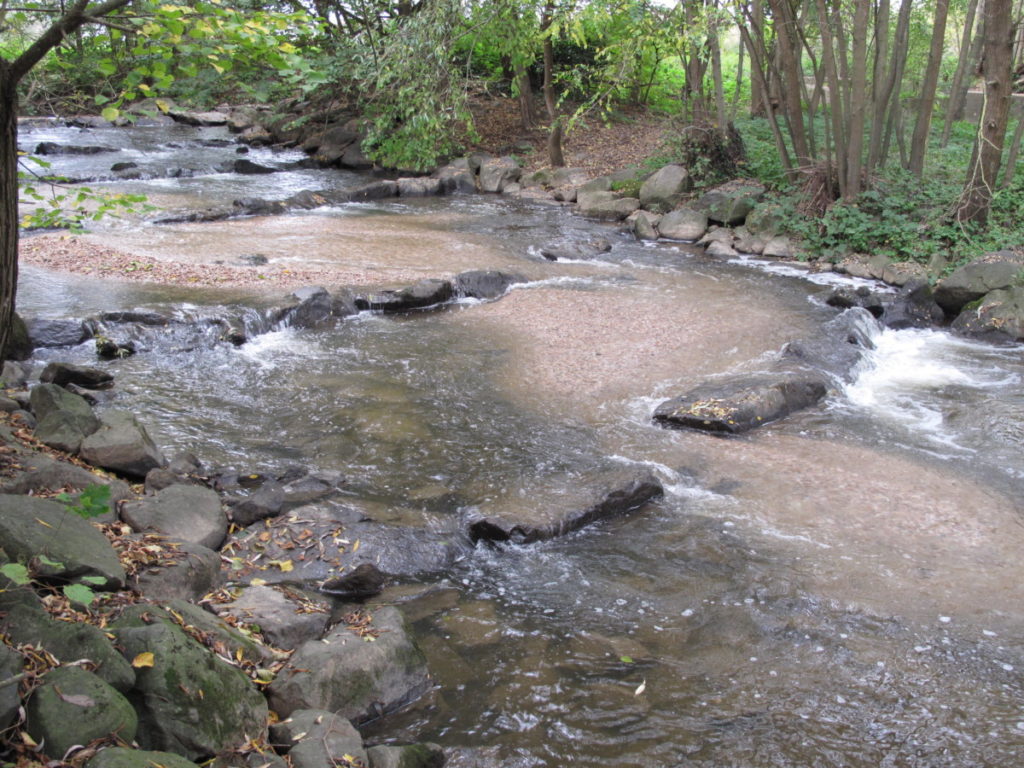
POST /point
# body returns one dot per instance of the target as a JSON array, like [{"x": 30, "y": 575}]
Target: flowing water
[{"x": 843, "y": 588}]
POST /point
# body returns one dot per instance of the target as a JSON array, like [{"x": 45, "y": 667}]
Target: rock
[
  {"x": 498, "y": 173},
  {"x": 41, "y": 473},
  {"x": 264, "y": 502},
  {"x": 484, "y": 284},
  {"x": 190, "y": 701},
  {"x": 837, "y": 348},
  {"x": 13, "y": 375},
  {"x": 30, "y": 527},
  {"x": 645, "y": 225},
  {"x": 313, "y": 308},
  {"x": 665, "y": 188},
  {"x": 11, "y": 665},
  {"x": 353, "y": 678},
  {"x": 747, "y": 242},
  {"x": 198, "y": 118},
  {"x": 742, "y": 403},
  {"x": 286, "y": 618},
  {"x": 575, "y": 249},
  {"x": 63, "y": 374},
  {"x": 314, "y": 738},
  {"x": 247, "y": 167},
  {"x": 194, "y": 571},
  {"x": 108, "y": 349},
  {"x": 765, "y": 220},
  {"x": 121, "y": 444},
  {"x": 683, "y": 224},
  {"x": 411, "y": 756},
  {"x": 123, "y": 757},
  {"x": 868, "y": 268},
  {"x": 65, "y": 420},
  {"x": 419, "y": 187},
  {"x": 138, "y": 316},
  {"x": 605, "y": 205},
  {"x": 424, "y": 293},
  {"x": 846, "y": 297},
  {"x": 365, "y": 581},
  {"x": 355, "y": 159},
  {"x": 219, "y": 635},
  {"x": 183, "y": 512},
  {"x": 456, "y": 178},
  {"x": 19, "y": 346},
  {"x": 74, "y": 707},
  {"x": 375, "y": 190},
  {"x": 1000, "y": 313},
  {"x": 913, "y": 307},
  {"x": 901, "y": 273},
  {"x": 57, "y": 333},
  {"x": 246, "y": 206},
  {"x": 569, "y": 503},
  {"x": 120, "y": 167},
  {"x": 53, "y": 148},
  {"x": 991, "y": 272},
  {"x": 779, "y": 247},
  {"x": 68, "y": 642},
  {"x": 598, "y": 184},
  {"x": 721, "y": 249},
  {"x": 730, "y": 203}
]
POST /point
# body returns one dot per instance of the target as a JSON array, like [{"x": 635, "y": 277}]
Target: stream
[{"x": 840, "y": 588}]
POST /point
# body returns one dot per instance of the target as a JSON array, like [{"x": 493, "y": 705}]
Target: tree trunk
[
  {"x": 526, "y": 111},
  {"x": 734, "y": 109},
  {"x": 858, "y": 100},
  {"x": 714, "y": 44},
  {"x": 888, "y": 99},
  {"x": 955, "y": 102},
  {"x": 8, "y": 202},
  {"x": 919, "y": 143},
  {"x": 792, "y": 86},
  {"x": 835, "y": 92},
  {"x": 997, "y": 60},
  {"x": 1011, "y": 159}
]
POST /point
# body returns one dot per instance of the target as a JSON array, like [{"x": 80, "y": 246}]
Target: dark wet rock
[
  {"x": 355, "y": 159},
  {"x": 375, "y": 190},
  {"x": 496, "y": 174},
  {"x": 19, "y": 345},
  {"x": 839, "y": 345},
  {"x": 65, "y": 419},
  {"x": 57, "y": 333},
  {"x": 743, "y": 402},
  {"x": 424, "y": 293},
  {"x": 257, "y": 206},
  {"x": 305, "y": 490},
  {"x": 663, "y": 190},
  {"x": 52, "y": 148},
  {"x": 845, "y": 297},
  {"x": 913, "y": 307},
  {"x": 184, "y": 512},
  {"x": 991, "y": 272},
  {"x": 173, "y": 715},
  {"x": 456, "y": 178},
  {"x": 314, "y": 738},
  {"x": 329, "y": 147},
  {"x": 683, "y": 224},
  {"x": 285, "y": 616},
  {"x": 730, "y": 203},
  {"x": 193, "y": 571},
  {"x": 397, "y": 551},
  {"x": 1000, "y": 314},
  {"x": 484, "y": 284},
  {"x": 30, "y": 527},
  {"x": 561, "y": 505},
  {"x": 122, "y": 444},
  {"x": 108, "y": 349},
  {"x": 264, "y": 502},
  {"x": 605, "y": 205},
  {"x": 127, "y": 166},
  {"x": 28, "y": 623},
  {"x": 343, "y": 303},
  {"x": 353, "y": 678},
  {"x": 123, "y": 757},
  {"x": 139, "y": 316},
  {"x": 63, "y": 374},
  {"x": 306, "y": 200},
  {"x": 575, "y": 249},
  {"x": 40, "y": 474},
  {"x": 210, "y": 214},
  {"x": 419, "y": 187},
  {"x": 312, "y": 309},
  {"x": 364, "y": 581},
  {"x": 424, "y": 755},
  {"x": 183, "y": 469},
  {"x": 254, "y": 259},
  {"x": 247, "y": 167},
  {"x": 74, "y": 707},
  {"x": 11, "y": 665}
]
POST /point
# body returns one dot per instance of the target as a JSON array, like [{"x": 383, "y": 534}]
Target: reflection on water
[{"x": 840, "y": 589}]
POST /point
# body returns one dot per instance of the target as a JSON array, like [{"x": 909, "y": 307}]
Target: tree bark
[
  {"x": 792, "y": 87},
  {"x": 555, "y": 156},
  {"x": 919, "y": 143},
  {"x": 997, "y": 60},
  {"x": 1011, "y": 159},
  {"x": 856, "y": 116},
  {"x": 8, "y": 202},
  {"x": 955, "y": 102}
]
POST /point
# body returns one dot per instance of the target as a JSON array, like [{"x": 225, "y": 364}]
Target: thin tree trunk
[
  {"x": 759, "y": 102},
  {"x": 895, "y": 108},
  {"x": 858, "y": 100},
  {"x": 734, "y": 111},
  {"x": 785, "y": 30},
  {"x": 1011, "y": 159},
  {"x": 556, "y": 158},
  {"x": 835, "y": 99},
  {"x": 919, "y": 143},
  {"x": 526, "y": 111},
  {"x": 722, "y": 118},
  {"x": 880, "y": 84},
  {"x": 955, "y": 101},
  {"x": 976, "y": 200},
  {"x": 758, "y": 66},
  {"x": 8, "y": 202},
  {"x": 888, "y": 98}
]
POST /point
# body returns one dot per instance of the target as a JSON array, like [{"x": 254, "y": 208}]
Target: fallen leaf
[
  {"x": 640, "y": 688},
  {"x": 144, "y": 659},
  {"x": 79, "y": 700}
]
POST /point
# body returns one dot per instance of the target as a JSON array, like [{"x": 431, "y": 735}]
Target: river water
[{"x": 843, "y": 588}]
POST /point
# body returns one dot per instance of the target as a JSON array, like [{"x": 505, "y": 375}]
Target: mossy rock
[
  {"x": 19, "y": 345},
  {"x": 122, "y": 757}
]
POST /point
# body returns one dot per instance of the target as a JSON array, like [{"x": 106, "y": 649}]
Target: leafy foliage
[{"x": 93, "y": 501}]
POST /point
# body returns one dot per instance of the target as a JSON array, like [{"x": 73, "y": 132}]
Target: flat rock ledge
[{"x": 569, "y": 503}]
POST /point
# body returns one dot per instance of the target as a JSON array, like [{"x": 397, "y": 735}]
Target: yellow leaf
[
  {"x": 145, "y": 659},
  {"x": 258, "y": 582},
  {"x": 28, "y": 740},
  {"x": 286, "y": 566},
  {"x": 163, "y": 105},
  {"x": 355, "y": 547},
  {"x": 43, "y": 522}
]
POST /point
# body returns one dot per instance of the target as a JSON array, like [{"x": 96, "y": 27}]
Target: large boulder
[
  {"x": 497, "y": 173},
  {"x": 1000, "y": 314},
  {"x": 190, "y": 701},
  {"x": 312, "y": 308},
  {"x": 991, "y": 272},
  {"x": 57, "y": 333},
  {"x": 351, "y": 676},
  {"x": 484, "y": 283},
  {"x": 742, "y": 403},
  {"x": 11, "y": 665},
  {"x": 605, "y": 205},
  {"x": 662, "y": 191},
  {"x": 913, "y": 307},
  {"x": 574, "y": 250},
  {"x": 730, "y": 203},
  {"x": 285, "y": 617},
  {"x": 122, "y": 444},
  {"x": 423, "y": 293},
  {"x": 63, "y": 374},
  {"x": 560, "y": 505},
  {"x": 74, "y": 707},
  {"x": 41, "y": 473},
  {"x": 187, "y": 571},
  {"x": 185, "y": 512},
  {"x": 419, "y": 187},
  {"x": 645, "y": 224},
  {"x": 64, "y": 420},
  {"x": 123, "y": 757},
  {"x": 424, "y": 755},
  {"x": 456, "y": 177},
  {"x": 314, "y": 738},
  {"x": 683, "y": 224},
  {"x": 31, "y": 527},
  {"x": 19, "y": 345}
]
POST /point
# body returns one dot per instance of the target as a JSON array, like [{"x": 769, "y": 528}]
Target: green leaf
[
  {"x": 16, "y": 572},
  {"x": 626, "y": 659},
  {"x": 97, "y": 580},
  {"x": 106, "y": 66},
  {"x": 48, "y": 561},
  {"x": 111, "y": 114},
  {"x": 79, "y": 593}
]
